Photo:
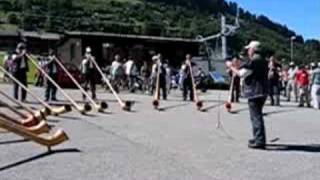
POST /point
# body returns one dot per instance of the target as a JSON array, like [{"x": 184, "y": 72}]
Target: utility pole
[
  {"x": 292, "y": 41},
  {"x": 223, "y": 37}
]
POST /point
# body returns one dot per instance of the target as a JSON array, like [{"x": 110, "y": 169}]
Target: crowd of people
[
  {"x": 124, "y": 74},
  {"x": 302, "y": 82}
]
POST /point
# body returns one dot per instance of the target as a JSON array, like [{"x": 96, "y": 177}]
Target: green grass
[{"x": 31, "y": 73}]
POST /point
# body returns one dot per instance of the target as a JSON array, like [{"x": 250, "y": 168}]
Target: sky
[{"x": 302, "y": 16}]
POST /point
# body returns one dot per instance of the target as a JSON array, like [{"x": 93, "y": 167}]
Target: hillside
[{"x": 176, "y": 18}]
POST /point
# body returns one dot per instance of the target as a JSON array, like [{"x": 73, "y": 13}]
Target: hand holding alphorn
[
  {"x": 199, "y": 103},
  {"x": 126, "y": 106},
  {"x": 82, "y": 110}
]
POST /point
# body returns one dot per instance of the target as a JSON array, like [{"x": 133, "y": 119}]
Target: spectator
[
  {"x": 292, "y": 86},
  {"x": 116, "y": 73},
  {"x": 274, "y": 81},
  {"x": 315, "y": 88},
  {"x": 302, "y": 80}
]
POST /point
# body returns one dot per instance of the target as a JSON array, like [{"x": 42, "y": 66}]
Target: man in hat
[
  {"x": 255, "y": 74},
  {"x": 187, "y": 85},
  {"x": 159, "y": 67},
  {"x": 19, "y": 69},
  {"x": 88, "y": 72},
  {"x": 51, "y": 68}
]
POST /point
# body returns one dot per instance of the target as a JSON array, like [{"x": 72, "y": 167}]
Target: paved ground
[{"x": 177, "y": 143}]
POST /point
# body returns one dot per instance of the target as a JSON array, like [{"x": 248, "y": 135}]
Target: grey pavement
[{"x": 177, "y": 143}]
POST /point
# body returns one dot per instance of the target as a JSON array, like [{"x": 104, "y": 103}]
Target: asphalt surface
[{"x": 178, "y": 142}]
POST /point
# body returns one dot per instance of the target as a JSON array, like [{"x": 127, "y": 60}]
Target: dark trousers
[
  {"x": 256, "y": 116},
  {"x": 89, "y": 80},
  {"x": 51, "y": 90},
  {"x": 21, "y": 76},
  {"x": 274, "y": 93},
  {"x": 188, "y": 87},
  {"x": 235, "y": 90},
  {"x": 163, "y": 88}
]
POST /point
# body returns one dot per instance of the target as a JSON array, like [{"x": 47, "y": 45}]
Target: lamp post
[{"x": 292, "y": 40}]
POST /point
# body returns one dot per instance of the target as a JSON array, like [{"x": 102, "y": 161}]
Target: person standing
[
  {"x": 315, "y": 88},
  {"x": 302, "y": 80},
  {"x": 145, "y": 73},
  {"x": 235, "y": 96},
  {"x": 19, "y": 69},
  {"x": 51, "y": 68},
  {"x": 116, "y": 73},
  {"x": 292, "y": 86},
  {"x": 255, "y": 74},
  {"x": 187, "y": 85},
  {"x": 159, "y": 67},
  {"x": 131, "y": 73},
  {"x": 274, "y": 81},
  {"x": 88, "y": 72}
]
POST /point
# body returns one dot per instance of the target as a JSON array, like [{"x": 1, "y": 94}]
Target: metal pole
[
  {"x": 223, "y": 38},
  {"x": 291, "y": 50}
]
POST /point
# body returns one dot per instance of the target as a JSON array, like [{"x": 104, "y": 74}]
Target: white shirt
[
  {"x": 115, "y": 66},
  {"x": 292, "y": 73},
  {"x": 128, "y": 65}
]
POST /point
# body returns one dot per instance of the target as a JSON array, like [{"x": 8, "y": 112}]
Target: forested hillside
[{"x": 176, "y": 18}]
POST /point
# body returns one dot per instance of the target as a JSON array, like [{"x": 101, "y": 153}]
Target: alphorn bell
[
  {"x": 103, "y": 105},
  {"x": 26, "y": 120},
  {"x": 82, "y": 110},
  {"x": 48, "y": 109},
  {"x": 156, "y": 98},
  {"x": 198, "y": 103},
  {"x": 39, "y": 128},
  {"x": 126, "y": 106},
  {"x": 228, "y": 104},
  {"x": 38, "y": 115},
  {"x": 52, "y": 140}
]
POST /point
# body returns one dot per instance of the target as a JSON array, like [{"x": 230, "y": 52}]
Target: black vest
[{"x": 256, "y": 84}]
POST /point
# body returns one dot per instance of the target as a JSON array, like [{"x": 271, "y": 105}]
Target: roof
[
  {"x": 31, "y": 34},
  {"x": 41, "y": 35},
  {"x": 131, "y": 36}
]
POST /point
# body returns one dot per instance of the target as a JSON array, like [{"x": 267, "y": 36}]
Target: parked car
[{"x": 63, "y": 79}]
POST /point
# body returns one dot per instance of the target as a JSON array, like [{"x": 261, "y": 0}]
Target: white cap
[
  {"x": 253, "y": 45},
  {"x": 313, "y": 64},
  {"x": 291, "y": 63},
  {"x": 88, "y": 50},
  {"x": 155, "y": 57},
  {"x": 319, "y": 64}
]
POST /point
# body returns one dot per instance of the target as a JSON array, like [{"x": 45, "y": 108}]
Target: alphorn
[
  {"x": 228, "y": 104},
  {"x": 103, "y": 105},
  {"x": 82, "y": 110},
  {"x": 26, "y": 120},
  {"x": 199, "y": 103},
  {"x": 126, "y": 106},
  {"x": 39, "y": 115},
  {"x": 156, "y": 98},
  {"x": 48, "y": 109},
  {"x": 52, "y": 140},
  {"x": 40, "y": 128}
]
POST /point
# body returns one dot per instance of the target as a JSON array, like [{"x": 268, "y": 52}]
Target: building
[
  {"x": 71, "y": 45},
  {"x": 140, "y": 48}
]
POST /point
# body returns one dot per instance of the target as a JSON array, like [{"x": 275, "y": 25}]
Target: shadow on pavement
[
  {"x": 43, "y": 155},
  {"x": 211, "y": 107},
  {"x": 312, "y": 148},
  {"x": 14, "y": 141},
  {"x": 278, "y": 112},
  {"x": 172, "y": 107},
  {"x": 239, "y": 110}
]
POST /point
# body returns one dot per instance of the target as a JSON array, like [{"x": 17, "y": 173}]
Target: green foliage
[{"x": 172, "y": 18}]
